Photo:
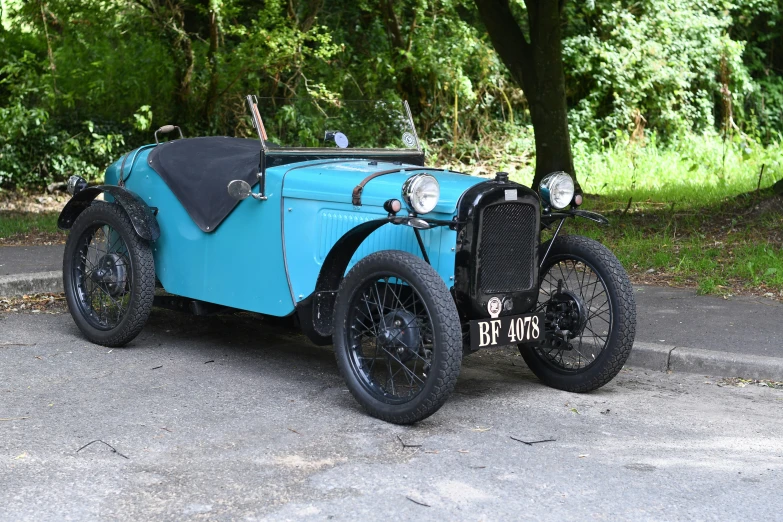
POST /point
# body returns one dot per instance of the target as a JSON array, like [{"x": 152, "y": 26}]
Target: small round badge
[
  {"x": 408, "y": 139},
  {"x": 494, "y": 306}
]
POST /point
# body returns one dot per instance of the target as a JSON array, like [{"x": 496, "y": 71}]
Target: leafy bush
[
  {"x": 36, "y": 150},
  {"x": 82, "y": 80},
  {"x": 651, "y": 63}
]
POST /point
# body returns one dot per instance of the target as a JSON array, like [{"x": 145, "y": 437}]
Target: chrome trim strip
[{"x": 282, "y": 238}]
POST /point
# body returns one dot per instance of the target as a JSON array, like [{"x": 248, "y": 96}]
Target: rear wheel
[
  {"x": 108, "y": 275},
  {"x": 590, "y": 316},
  {"x": 397, "y": 337}
]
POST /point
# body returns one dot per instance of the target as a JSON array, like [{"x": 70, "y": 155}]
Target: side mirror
[{"x": 239, "y": 189}]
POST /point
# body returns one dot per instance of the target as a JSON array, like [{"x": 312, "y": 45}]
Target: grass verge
[
  {"x": 29, "y": 228},
  {"x": 732, "y": 246}
]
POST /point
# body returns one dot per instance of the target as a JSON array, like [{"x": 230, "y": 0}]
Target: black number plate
[{"x": 511, "y": 329}]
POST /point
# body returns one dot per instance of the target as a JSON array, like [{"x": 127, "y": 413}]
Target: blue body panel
[
  {"x": 318, "y": 211},
  {"x": 266, "y": 255},
  {"x": 239, "y": 265}
]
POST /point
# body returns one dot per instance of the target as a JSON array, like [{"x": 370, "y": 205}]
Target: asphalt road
[
  {"x": 29, "y": 259},
  {"x": 229, "y": 418},
  {"x": 679, "y": 317}
]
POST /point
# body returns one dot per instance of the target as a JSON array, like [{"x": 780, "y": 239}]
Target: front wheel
[
  {"x": 590, "y": 316},
  {"x": 397, "y": 337}
]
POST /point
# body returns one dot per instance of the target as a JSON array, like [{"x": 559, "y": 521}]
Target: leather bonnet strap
[{"x": 356, "y": 196}]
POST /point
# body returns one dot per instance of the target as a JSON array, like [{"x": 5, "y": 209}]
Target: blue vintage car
[{"x": 332, "y": 218}]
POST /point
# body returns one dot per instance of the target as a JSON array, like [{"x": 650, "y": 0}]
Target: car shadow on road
[{"x": 267, "y": 344}]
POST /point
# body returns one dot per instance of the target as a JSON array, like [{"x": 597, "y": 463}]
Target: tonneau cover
[{"x": 198, "y": 170}]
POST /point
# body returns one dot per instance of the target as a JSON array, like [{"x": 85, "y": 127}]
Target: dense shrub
[{"x": 82, "y": 80}]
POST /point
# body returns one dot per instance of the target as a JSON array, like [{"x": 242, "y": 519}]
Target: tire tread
[
  {"x": 624, "y": 317},
  {"x": 449, "y": 325},
  {"x": 143, "y": 280}
]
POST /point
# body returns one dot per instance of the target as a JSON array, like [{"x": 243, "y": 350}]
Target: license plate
[{"x": 511, "y": 329}]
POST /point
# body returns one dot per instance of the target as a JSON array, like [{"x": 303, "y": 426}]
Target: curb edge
[
  {"x": 663, "y": 358},
  {"x": 32, "y": 283}
]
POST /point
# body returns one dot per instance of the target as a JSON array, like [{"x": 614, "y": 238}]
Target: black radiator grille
[{"x": 507, "y": 245}]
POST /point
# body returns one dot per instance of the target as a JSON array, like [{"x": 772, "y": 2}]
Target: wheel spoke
[
  {"x": 579, "y": 278},
  {"x": 106, "y": 300},
  {"x": 388, "y": 326}
]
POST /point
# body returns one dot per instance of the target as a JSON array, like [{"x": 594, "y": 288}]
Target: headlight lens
[
  {"x": 557, "y": 189},
  {"x": 421, "y": 192},
  {"x": 76, "y": 184}
]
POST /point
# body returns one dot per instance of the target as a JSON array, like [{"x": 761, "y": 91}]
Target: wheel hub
[
  {"x": 566, "y": 316},
  {"x": 110, "y": 274},
  {"x": 399, "y": 335}
]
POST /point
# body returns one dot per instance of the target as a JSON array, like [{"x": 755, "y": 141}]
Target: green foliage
[
  {"x": 654, "y": 63},
  {"x": 84, "y": 80},
  {"x": 34, "y": 150},
  {"x": 695, "y": 170}
]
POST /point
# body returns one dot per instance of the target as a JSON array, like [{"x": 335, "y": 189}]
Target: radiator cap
[{"x": 501, "y": 176}]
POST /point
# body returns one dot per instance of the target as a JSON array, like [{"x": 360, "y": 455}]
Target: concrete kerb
[
  {"x": 650, "y": 356},
  {"x": 34, "y": 283},
  {"x": 661, "y": 357}
]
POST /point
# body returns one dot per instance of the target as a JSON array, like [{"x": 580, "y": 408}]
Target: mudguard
[
  {"x": 140, "y": 214},
  {"x": 316, "y": 312},
  {"x": 553, "y": 217}
]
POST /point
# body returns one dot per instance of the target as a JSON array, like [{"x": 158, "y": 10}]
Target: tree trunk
[
  {"x": 537, "y": 66},
  {"x": 184, "y": 72}
]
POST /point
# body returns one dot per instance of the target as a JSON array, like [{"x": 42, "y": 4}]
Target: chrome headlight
[
  {"x": 76, "y": 184},
  {"x": 421, "y": 192},
  {"x": 557, "y": 190}
]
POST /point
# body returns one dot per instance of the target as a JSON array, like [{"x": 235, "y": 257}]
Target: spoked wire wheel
[
  {"x": 103, "y": 276},
  {"x": 574, "y": 297},
  {"x": 108, "y": 275},
  {"x": 590, "y": 316},
  {"x": 397, "y": 336},
  {"x": 391, "y": 339}
]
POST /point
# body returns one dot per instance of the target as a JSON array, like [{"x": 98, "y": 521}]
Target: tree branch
[
  {"x": 509, "y": 41},
  {"x": 392, "y": 24}
]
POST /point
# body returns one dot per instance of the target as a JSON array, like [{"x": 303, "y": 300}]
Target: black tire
[
  {"x": 126, "y": 293},
  {"x": 431, "y": 368},
  {"x": 597, "y": 263}
]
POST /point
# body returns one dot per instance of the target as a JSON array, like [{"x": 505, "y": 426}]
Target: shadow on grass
[{"x": 734, "y": 245}]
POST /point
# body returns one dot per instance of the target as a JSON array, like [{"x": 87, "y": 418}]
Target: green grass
[
  {"x": 725, "y": 247},
  {"x": 14, "y": 226},
  {"x": 698, "y": 172},
  {"x": 691, "y": 214}
]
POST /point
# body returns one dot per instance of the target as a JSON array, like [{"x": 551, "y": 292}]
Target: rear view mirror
[{"x": 239, "y": 189}]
